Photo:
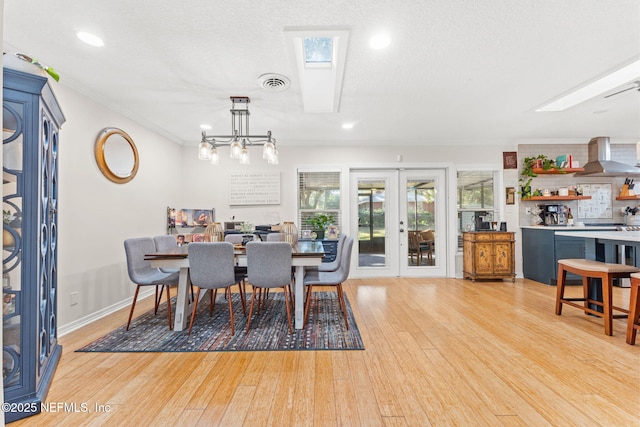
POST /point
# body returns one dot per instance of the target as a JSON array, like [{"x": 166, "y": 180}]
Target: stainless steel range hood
[{"x": 600, "y": 163}]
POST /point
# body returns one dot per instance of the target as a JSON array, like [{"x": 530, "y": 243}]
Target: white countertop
[
  {"x": 622, "y": 236},
  {"x": 572, "y": 228}
]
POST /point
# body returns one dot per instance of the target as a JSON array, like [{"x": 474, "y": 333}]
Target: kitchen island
[{"x": 605, "y": 245}]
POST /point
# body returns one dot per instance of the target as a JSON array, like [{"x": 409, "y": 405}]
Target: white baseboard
[{"x": 77, "y": 324}]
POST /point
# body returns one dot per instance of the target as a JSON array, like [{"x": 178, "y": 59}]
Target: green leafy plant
[
  {"x": 7, "y": 217},
  {"x": 529, "y": 163},
  {"x": 320, "y": 221},
  {"x": 47, "y": 69},
  {"x": 11, "y": 219},
  {"x": 527, "y": 173}
]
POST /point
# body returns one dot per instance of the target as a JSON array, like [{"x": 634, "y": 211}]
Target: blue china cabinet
[{"x": 31, "y": 121}]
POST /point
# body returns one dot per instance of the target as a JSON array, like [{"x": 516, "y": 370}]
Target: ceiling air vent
[{"x": 273, "y": 82}]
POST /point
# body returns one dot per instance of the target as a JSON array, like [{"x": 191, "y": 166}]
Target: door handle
[{"x": 401, "y": 230}]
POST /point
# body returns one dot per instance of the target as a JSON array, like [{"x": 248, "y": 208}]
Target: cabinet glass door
[{"x": 12, "y": 202}]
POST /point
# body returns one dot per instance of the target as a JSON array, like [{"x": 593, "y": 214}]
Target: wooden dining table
[{"x": 304, "y": 254}]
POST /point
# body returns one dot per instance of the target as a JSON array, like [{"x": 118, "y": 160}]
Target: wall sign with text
[{"x": 254, "y": 188}]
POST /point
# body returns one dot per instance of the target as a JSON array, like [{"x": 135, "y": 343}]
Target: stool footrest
[
  {"x": 585, "y": 309},
  {"x": 572, "y": 302}
]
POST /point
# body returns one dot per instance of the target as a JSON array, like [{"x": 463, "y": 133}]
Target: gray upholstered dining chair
[
  {"x": 269, "y": 266},
  {"x": 331, "y": 278},
  {"x": 211, "y": 267},
  {"x": 335, "y": 264},
  {"x": 237, "y": 239},
  {"x": 142, "y": 274},
  {"x": 275, "y": 237},
  {"x": 164, "y": 243},
  {"x": 233, "y": 238}
]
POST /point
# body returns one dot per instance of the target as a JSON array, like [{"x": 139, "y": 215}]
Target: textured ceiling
[{"x": 457, "y": 71}]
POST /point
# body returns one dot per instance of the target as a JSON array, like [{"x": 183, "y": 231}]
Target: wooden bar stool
[
  {"x": 589, "y": 269},
  {"x": 634, "y": 309}
]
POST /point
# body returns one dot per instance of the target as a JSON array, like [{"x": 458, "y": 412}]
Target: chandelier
[{"x": 240, "y": 140}]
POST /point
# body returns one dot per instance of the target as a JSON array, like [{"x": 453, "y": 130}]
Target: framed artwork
[
  {"x": 510, "y": 160},
  {"x": 332, "y": 232},
  {"x": 511, "y": 196},
  {"x": 189, "y": 218}
]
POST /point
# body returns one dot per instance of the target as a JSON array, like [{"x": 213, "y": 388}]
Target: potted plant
[
  {"x": 527, "y": 174},
  {"x": 319, "y": 223}
]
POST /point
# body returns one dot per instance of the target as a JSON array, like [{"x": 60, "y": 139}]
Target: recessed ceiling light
[
  {"x": 347, "y": 126},
  {"x": 90, "y": 39},
  {"x": 379, "y": 41},
  {"x": 205, "y": 126},
  {"x": 598, "y": 87}
]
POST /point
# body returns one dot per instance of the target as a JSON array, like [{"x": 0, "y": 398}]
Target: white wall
[
  {"x": 96, "y": 215},
  {"x": 206, "y": 185}
]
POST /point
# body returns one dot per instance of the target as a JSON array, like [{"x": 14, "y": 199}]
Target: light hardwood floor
[{"x": 438, "y": 352}]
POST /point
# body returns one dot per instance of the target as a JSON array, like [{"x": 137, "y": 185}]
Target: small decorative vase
[
  {"x": 215, "y": 232},
  {"x": 7, "y": 238},
  {"x": 290, "y": 232}
]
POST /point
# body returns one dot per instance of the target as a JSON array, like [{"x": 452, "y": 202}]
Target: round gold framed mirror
[{"x": 116, "y": 155}]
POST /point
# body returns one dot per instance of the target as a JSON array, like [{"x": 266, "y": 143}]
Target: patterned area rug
[{"x": 269, "y": 331}]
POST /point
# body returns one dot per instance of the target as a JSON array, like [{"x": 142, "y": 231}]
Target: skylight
[
  {"x": 318, "y": 50},
  {"x": 318, "y": 57},
  {"x": 593, "y": 89}
]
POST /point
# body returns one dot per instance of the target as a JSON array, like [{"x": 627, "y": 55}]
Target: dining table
[{"x": 304, "y": 254}]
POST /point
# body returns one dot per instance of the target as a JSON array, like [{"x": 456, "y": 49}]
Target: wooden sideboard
[{"x": 489, "y": 255}]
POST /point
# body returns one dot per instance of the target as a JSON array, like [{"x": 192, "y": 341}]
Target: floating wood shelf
[
  {"x": 634, "y": 197},
  {"x": 554, "y": 171},
  {"x": 551, "y": 198}
]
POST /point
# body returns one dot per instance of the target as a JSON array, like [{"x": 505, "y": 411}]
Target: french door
[{"x": 399, "y": 216}]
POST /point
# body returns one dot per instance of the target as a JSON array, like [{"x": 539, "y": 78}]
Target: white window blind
[
  {"x": 476, "y": 196},
  {"x": 318, "y": 193}
]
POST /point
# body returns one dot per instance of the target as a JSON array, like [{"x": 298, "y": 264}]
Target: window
[
  {"x": 318, "y": 50},
  {"x": 476, "y": 199},
  {"x": 318, "y": 193}
]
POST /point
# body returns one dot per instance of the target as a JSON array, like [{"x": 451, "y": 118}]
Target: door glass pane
[
  {"x": 421, "y": 200},
  {"x": 371, "y": 223}
]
